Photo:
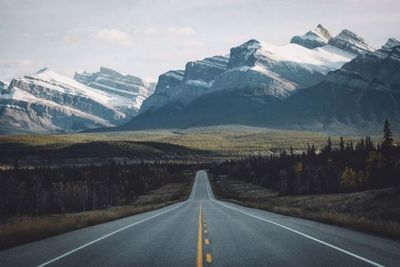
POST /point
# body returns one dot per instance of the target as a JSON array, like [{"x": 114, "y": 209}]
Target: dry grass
[
  {"x": 22, "y": 230},
  {"x": 233, "y": 140},
  {"x": 373, "y": 211}
]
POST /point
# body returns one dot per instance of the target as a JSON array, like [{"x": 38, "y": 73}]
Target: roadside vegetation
[
  {"x": 320, "y": 184},
  {"x": 57, "y": 183},
  {"x": 375, "y": 211},
  {"x": 37, "y": 203}
]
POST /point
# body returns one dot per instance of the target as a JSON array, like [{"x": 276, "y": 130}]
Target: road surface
[{"x": 203, "y": 231}]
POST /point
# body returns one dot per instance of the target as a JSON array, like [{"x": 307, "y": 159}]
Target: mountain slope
[
  {"x": 255, "y": 68},
  {"x": 3, "y": 85},
  {"x": 360, "y": 95},
  {"x": 254, "y": 77},
  {"x": 182, "y": 87},
  {"x": 318, "y": 37},
  {"x": 353, "y": 99},
  {"x": 351, "y": 42},
  {"x": 278, "y": 70},
  {"x": 128, "y": 91},
  {"x": 50, "y": 102}
]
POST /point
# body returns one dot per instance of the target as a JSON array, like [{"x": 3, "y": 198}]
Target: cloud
[{"x": 113, "y": 35}]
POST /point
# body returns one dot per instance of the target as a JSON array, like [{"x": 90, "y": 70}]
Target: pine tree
[
  {"x": 341, "y": 144},
  {"x": 387, "y": 135},
  {"x": 329, "y": 144}
]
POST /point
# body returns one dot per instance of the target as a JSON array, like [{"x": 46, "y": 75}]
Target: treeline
[
  {"x": 47, "y": 190},
  {"x": 342, "y": 168},
  {"x": 33, "y": 154}
]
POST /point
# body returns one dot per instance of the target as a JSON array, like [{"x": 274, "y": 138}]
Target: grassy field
[
  {"x": 222, "y": 141},
  {"x": 373, "y": 211},
  {"x": 20, "y": 230}
]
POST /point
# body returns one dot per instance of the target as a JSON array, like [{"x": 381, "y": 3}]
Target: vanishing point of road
[{"x": 203, "y": 231}]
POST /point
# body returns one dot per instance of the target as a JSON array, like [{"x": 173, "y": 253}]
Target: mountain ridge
[
  {"x": 47, "y": 102},
  {"x": 333, "y": 83},
  {"x": 346, "y": 106}
]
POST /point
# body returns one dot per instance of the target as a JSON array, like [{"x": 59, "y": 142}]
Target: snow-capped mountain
[
  {"x": 315, "y": 82},
  {"x": 49, "y": 102},
  {"x": 318, "y": 37},
  {"x": 128, "y": 91},
  {"x": 255, "y": 67},
  {"x": 357, "y": 97},
  {"x": 392, "y": 42},
  {"x": 181, "y": 87},
  {"x": 346, "y": 40},
  {"x": 339, "y": 84},
  {"x": 3, "y": 85},
  {"x": 268, "y": 69},
  {"x": 351, "y": 42}
]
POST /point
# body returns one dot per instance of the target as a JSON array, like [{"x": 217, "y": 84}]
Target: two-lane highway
[{"x": 203, "y": 231}]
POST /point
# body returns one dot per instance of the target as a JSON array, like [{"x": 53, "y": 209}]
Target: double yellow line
[{"x": 199, "y": 262}]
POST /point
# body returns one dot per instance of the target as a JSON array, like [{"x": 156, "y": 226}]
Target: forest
[
  {"x": 49, "y": 190},
  {"x": 347, "y": 167}
]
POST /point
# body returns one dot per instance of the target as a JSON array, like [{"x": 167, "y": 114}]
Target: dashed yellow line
[
  {"x": 202, "y": 223},
  {"x": 200, "y": 242},
  {"x": 208, "y": 257}
]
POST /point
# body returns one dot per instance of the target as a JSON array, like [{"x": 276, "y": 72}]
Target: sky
[{"x": 146, "y": 38}]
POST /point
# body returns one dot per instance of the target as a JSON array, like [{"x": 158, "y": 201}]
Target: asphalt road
[{"x": 203, "y": 231}]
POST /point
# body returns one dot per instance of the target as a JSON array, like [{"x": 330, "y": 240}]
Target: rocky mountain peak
[
  {"x": 349, "y": 35},
  {"x": 351, "y": 42},
  {"x": 42, "y": 70},
  {"x": 111, "y": 72},
  {"x": 314, "y": 38},
  {"x": 391, "y": 42},
  {"x": 3, "y": 85},
  {"x": 243, "y": 55},
  {"x": 252, "y": 44},
  {"x": 323, "y": 32},
  {"x": 205, "y": 69}
]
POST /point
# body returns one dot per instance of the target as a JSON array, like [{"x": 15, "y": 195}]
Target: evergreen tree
[
  {"x": 341, "y": 144},
  {"x": 387, "y": 135},
  {"x": 328, "y": 147}
]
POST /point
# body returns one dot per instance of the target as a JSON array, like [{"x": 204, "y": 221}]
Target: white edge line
[
  {"x": 194, "y": 189},
  {"x": 105, "y": 236},
  {"x": 295, "y": 231}
]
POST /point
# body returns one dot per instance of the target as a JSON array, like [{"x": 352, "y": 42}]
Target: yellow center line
[
  {"x": 208, "y": 257},
  {"x": 200, "y": 242}
]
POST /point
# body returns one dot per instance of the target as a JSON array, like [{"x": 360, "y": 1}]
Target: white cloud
[{"x": 113, "y": 35}]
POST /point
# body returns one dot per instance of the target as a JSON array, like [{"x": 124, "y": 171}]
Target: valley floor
[
  {"x": 373, "y": 211},
  {"x": 207, "y": 144}
]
